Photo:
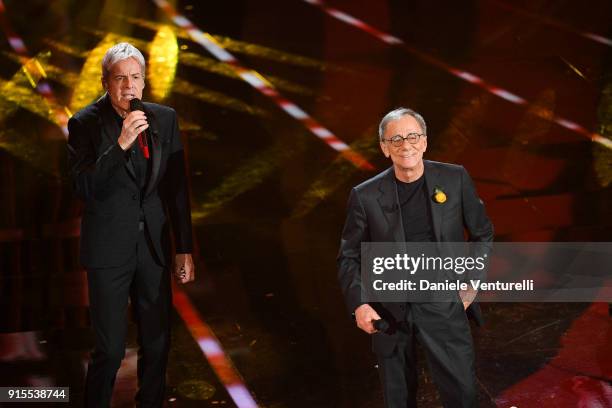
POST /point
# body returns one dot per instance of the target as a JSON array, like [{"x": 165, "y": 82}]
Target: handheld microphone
[
  {"x": 381, "y": 325},
  {"x": 136, "y": 104}
]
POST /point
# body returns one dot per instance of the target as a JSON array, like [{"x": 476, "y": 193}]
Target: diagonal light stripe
[
  {"x": 220, "y": 68},
  {"x": 554, "y": 23},
  {"x": 216, "y": 98},
  {"x": 210, "y": 44},
  {"x": 69, "y": 79},
  {"x": 61, "y": 114},
  {"x": 89, "y": 87},
  {"x": 187, "y": 58},
  {"x": 20, "y": 94},
  {"x": 245, "y": 177},
  {"x": 602, "y": 158},
  {"x": 336, "y": 174},
  {"x": 464, "y": 75},
  {"x": 163, "y": 58},
  {"x": 26, "y": 148},
  {"x": 245, "y": 48},
  {"x": 180, "y": 86},
  {"x": 212, "y": 349}
]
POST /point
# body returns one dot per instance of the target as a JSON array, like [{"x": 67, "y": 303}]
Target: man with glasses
[{"x": 421, "y": 201}]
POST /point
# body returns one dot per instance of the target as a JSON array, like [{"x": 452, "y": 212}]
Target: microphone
[
  {"x": 136, "y": 104},
  {"x": 381, "y": 325}
]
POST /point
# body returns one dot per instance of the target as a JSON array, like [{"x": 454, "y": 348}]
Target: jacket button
[{"x": 134, "y": 197}]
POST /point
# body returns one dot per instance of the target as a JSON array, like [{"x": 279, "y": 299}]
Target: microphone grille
[{"x": 136, "y": 104}]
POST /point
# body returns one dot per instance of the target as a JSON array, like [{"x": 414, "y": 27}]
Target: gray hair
[
  {"x": 395, "y": 114},
  {"x": 119, "y": 52}
]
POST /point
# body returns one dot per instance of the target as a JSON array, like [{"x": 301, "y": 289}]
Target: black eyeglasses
[{"x": 398, "y": 140}]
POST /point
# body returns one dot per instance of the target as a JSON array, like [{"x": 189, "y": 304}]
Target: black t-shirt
[{"x": 416, "y": 213}]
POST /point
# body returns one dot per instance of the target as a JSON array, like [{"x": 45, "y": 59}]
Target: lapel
[
  {"x": 111, "y": 130},
  {"x": 389, "y": 203},
  {"x": 432, "y": 180},
  {"x": 156, "y": 151}
]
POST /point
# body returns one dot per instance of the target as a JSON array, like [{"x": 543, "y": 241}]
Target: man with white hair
[
  {"x": 418, "y": 201},
  {"x": 128, "y": 167}
]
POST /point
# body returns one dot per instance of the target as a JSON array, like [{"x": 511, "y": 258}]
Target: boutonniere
[{"x": 439, "y": 196}]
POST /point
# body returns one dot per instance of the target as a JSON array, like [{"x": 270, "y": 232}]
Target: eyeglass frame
[{"x": 412, "y": 138}]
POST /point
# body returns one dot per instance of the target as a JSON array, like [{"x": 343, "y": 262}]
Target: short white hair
[
  {"x": 395, "y": 114},
  {"x": 119, "y": 52}
]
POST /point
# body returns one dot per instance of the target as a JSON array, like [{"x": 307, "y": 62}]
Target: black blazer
[
  {"x": 374, "y": 215},
  {"x": 105, "y": 180}
]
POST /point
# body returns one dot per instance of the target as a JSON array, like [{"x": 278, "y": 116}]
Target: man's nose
[{"x": 129, "y": 82}]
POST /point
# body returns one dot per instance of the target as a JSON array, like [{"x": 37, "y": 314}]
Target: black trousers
[
  {"x": 147, "y": 284},
  {"x": 444, "y": 332}
]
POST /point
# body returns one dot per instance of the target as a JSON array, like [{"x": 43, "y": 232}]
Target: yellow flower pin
[{"x": 439, "y": 196}]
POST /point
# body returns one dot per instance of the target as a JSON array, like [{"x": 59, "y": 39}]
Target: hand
[
  {"x": 364, "y": 315},
  {"x": 184, "y": 270},
  {"x": 133, "y": 124},
  {"x": 467, "y": 297}
]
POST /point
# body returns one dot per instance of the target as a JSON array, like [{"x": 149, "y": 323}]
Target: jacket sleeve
[
  {"x": 90, "y": 173},
  {"x": 475, "y": 217},
  {"x": 477, "y": 223},
  {"x": 176, "y": 193},
  {"x": 355, "y": 232}
]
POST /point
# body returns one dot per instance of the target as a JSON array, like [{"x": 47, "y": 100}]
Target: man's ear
[
  {"x": 103, "y": 82},
  {"x": 385, "y": 149}
]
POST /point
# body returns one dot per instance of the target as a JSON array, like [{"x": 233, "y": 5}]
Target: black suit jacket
[
  {"x": 105, "y": 180},
  {"x": 374, "y": 215}
]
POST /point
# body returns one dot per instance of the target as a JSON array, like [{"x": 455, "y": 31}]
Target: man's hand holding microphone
[
  {"x": 134, "y": 123},
  {"x": 366, "y": 317}
]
